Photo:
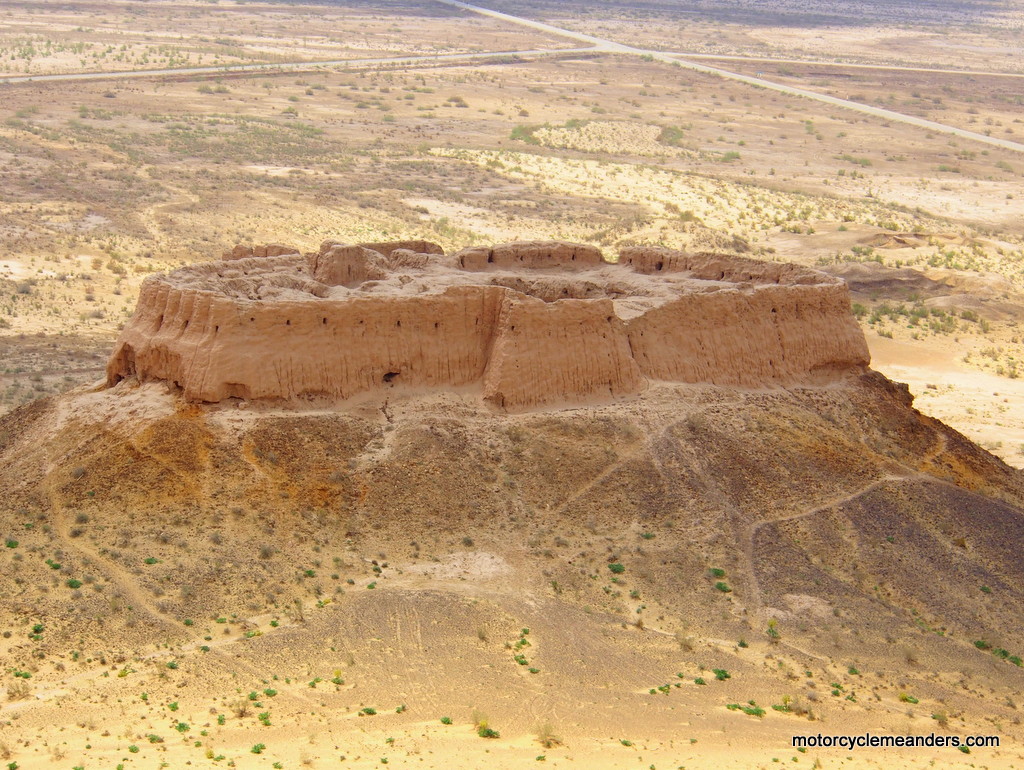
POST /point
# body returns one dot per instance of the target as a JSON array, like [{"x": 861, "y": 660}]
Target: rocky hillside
[{"x": 573, "y": 580}]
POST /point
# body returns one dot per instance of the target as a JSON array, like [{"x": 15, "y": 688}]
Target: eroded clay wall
[
  {"x": 565, "y": 351},
  {"x": 530, "y": 254},
  {"x": 755, "y": 337},
  {"x": 289, "y": 326},
  {"x": 215, "y": 349}
]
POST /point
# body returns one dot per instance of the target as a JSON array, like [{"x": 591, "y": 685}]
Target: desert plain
[{"x": 295, "y": 584}]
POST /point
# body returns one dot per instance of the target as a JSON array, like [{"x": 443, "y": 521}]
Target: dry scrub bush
[
  {"x": 546, "y": 736},
  {"x": 240, "y": 708},
  {"x": 18, "y": 691}
]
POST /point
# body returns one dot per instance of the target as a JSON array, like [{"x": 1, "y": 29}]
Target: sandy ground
[
  {"x": 244, "y": 617},
  {"x": 106, "y": 183},
  {"x": 987, "y": 408}
]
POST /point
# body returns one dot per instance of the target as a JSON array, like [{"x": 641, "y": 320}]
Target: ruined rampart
[{"x": 528, "y": 324}]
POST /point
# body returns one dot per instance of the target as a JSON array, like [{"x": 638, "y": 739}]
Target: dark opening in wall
[{"x": 389, "y": 376}]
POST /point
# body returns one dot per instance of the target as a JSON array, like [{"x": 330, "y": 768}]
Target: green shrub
[
  {"x": 671, "y": 136},
  {"x": 525, "y": 134}
]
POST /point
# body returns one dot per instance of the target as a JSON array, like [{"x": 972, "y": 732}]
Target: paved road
[
  {"x": 447, "y": 58},
  {"x": 596, "y": 44},
  {"x": 843, "y": 65},
  {"x": 677, "y": 60}
]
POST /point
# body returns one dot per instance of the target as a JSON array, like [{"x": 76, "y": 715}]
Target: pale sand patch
[
  {"x": 984, "y": 407},
  {"x": 122, "y": 408},
  {"x": 471, "y": 564},
  {"x": 15, "y": 269}
]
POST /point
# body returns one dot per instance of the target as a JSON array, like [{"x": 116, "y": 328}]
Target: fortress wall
[
  {"x": 754, "y": 337},
  {"x": 267, "y": 250},
  {"x": 565, "y": 351},
  {"x": 530, "y": 254},
  {"x": 273, "y": 327},
  {"x": 419, "y": 247},
  {"x": 219, "y": 349},
  {"x": 341, "y": 265},
  {"x": 653, "y": 260}
]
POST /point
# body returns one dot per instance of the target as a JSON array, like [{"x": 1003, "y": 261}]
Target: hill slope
[{"x": 391, "y": 553}]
